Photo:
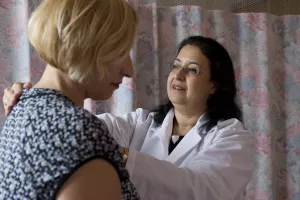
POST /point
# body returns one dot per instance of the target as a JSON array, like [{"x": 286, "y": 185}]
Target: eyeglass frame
[{"x": 186, "y": 70}]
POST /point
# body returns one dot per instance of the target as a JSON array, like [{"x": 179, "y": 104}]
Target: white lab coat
[{"x": 216, "y": 167}]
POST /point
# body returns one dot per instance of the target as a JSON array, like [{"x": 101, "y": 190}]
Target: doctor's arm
[
  {"x": 219, "y": 172},
  {"x": 122, "y": 127}
]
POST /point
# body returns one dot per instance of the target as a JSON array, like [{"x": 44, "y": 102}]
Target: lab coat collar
[
  {"x": 164, "y": 133},
  {"x": 189, "y": 141},
  {"x": 167, "y": 126}
]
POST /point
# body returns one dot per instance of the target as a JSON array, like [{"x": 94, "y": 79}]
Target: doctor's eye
[
  {"x": 193, "y": 71},
  {"x": 174, "y": 67}
]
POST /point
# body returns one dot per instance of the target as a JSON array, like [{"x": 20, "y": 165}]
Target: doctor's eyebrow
[{"x": 177, "y": 59}]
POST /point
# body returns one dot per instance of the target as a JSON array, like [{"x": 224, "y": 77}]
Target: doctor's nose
[{"x": 180, "y": 74}]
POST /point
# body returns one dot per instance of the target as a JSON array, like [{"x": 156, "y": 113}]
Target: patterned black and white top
[{"x": 45, "y": 139}]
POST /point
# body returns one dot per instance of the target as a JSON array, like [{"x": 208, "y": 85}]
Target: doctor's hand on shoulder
[{"x": 12, "y": 94}]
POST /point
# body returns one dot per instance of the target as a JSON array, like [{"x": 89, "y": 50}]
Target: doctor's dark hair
[{"x": 221, "y": 105}]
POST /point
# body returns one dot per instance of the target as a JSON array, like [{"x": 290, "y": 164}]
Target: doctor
[{"x": 194, "y": 147}]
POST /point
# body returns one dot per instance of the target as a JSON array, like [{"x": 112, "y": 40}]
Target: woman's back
[{"x": 45, "y": 140}]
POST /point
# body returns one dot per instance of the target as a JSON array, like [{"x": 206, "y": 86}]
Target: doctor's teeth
[{"x": 178, "y": 88}]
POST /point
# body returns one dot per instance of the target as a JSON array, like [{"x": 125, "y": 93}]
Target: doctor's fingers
[
  {"x": 8, "y": 94},
  {"x": 18, "y": 87},
  {"x": 11, "y": 96}
]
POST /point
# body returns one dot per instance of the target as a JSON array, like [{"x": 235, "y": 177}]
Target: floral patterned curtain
[{"x": 266, "y": 53}]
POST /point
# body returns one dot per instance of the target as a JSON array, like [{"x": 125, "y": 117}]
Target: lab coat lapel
[
  {"x": 190, "y": 140},
  {"x": 186, "y": 144},
  {"x": 164, "y": 133}
]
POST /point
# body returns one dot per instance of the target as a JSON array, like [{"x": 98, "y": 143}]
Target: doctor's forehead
[{"x": 192, "y": 54}]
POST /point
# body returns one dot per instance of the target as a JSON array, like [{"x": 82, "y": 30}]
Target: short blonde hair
[{"x": 79, "y": 36}]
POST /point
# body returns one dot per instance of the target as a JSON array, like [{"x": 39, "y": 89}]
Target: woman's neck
[
  {"x": 57, "y": 80},
  {"x": 184, "y": 121}
]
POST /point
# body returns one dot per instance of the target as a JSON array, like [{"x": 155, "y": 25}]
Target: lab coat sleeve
[
  {"x": 219, "y": 172},
  {"x": 122, "y": 127}
]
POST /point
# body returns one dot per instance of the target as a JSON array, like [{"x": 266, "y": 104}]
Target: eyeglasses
[{"x": 188, "y": 70}]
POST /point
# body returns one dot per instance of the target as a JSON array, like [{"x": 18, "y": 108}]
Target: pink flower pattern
[
  {"x": 263, "y": 143},
  {"x": 293, "y": 129},
  {"x": 14, "y": 31},
  {"x": 6, "y": 3},
  {"x": 255, "y": 21},
  {"x": 260, "y": 98},
  {"x": 297, "y": 37},
  {"x": 257, "y": 195},
  {"x": 297, "y": 76}
]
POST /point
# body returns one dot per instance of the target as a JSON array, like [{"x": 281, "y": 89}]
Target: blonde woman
[{"x": 50, "y": 147}]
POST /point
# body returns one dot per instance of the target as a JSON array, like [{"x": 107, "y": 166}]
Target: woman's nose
[{"x": 128, "y": 67}]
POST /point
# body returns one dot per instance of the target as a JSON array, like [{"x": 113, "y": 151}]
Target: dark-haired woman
[{"x": 195, "y": 146}]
